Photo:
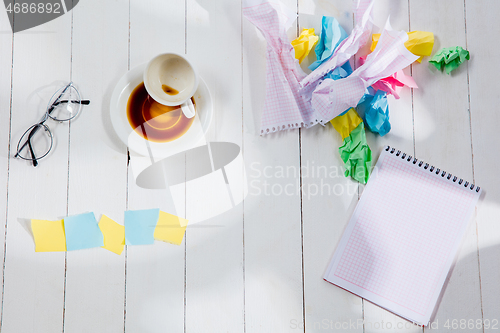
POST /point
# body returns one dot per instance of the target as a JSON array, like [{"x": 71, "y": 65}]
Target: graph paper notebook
[{"x": 403, "y": 236}]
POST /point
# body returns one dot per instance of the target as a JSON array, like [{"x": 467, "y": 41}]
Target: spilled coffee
[{"x": 154, "y": 121}]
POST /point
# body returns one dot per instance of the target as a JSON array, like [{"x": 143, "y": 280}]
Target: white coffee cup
[{"x": 171, "y": 79}]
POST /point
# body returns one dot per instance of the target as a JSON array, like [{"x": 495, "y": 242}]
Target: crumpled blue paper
[
  {"x": 332, "y": 34},
  {"x": 374, "y": 109},
  {"x": 340, "y": 72},
  {"x": 364, "y": 102}
]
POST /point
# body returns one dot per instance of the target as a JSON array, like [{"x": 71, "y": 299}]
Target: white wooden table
[{"x": 261, "y": 269}]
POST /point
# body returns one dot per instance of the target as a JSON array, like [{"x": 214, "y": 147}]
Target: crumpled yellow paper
[
  {"x": 346, "y": 123},
  {"x": 419, "y": 43},
  {"x": 304, "y": 43}
]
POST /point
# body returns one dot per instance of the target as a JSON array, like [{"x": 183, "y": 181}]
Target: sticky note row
[{"x": 82, "y": 231}]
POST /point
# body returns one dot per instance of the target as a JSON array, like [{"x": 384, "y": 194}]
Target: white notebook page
[{"x": 403, "y": 236}]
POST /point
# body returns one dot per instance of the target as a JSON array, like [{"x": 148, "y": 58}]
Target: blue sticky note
[
  {"x": 140, "y": 226},
  {"x": 332, "y": 34},
  {"x": 82, "y": 232}
]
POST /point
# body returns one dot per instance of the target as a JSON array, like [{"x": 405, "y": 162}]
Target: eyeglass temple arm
[
  {"x": 58, "y": 98},
  {"x": 35, "y": 162},
  {"x": 83, "y": 102},
  {"x": 28, "y": 141},
  {"x": 52, "y": 107}
]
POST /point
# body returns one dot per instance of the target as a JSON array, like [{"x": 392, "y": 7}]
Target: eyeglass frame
[{"x": 34, "y": 128}]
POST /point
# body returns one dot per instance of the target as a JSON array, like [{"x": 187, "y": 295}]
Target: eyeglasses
[{"x": 37, "y": 141}]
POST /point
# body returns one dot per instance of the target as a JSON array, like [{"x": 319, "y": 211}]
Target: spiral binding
[{"x": 431, "y": 168}]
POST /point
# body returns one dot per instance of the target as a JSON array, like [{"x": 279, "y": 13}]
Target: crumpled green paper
[
  {"x": 356, "y": 155},
  {"x": 450, "y": 58}
]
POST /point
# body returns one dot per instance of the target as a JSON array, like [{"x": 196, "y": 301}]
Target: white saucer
[{"x": 118, "y": 114}]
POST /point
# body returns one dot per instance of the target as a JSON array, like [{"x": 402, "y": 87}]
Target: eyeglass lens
[
  {"x": 65, "y": 104},
  {"x": 38, "y": 141}
]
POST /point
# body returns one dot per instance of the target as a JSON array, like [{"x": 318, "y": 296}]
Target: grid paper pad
[{"x": 403, "y": 237}]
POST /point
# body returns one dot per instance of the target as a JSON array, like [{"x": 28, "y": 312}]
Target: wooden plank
[
  {"x": 328, "y": 199},
  {"x": 34, "y": 282},
  {"x": 155, "y": 273},
  {"x": 485, "y": 138},
  {"x": 443, "y": 138},
  {"x": 95, "y": 278},
  {"x": 376, "y": 318},
  {"x": 214, "y": 248},
  {"x": 400, "y": 110},
  {"x": 6, "y": 40},
  {"x": 272, "y": 221}
]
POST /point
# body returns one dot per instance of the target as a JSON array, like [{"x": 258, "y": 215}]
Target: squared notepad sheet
[{"x": 403, "y": 237}]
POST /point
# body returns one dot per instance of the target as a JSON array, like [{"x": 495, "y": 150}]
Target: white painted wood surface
[
  {"x": 401, "y": 136},
  {"x": 485, "y": 139},
  {"x": 34, "y": 285},
  {"x": 214, "y": 248},
  {"x": 258, "y": 267},
  {"x": 95, "y": 280},
  {"x": 272, "y": 223},
  {"x": 6, "y": 41},
  {"x": 448, "y": 144},
  {"x": 335, "y": 194},
  {"x": 155, "y": 275}
]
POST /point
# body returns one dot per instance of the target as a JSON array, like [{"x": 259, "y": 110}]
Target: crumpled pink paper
[
  {"x": 284, "y": 107},
  {"x": 331, "y": 98},
  {"x": 394, "y": 83}
]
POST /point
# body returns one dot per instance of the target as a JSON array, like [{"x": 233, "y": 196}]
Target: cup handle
[{"x": 188, "y": 108}]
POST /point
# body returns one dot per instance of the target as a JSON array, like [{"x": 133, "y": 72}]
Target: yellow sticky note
[
  {"x": 49, "y": 235},
  {"x": 304, "y": 43},
  {"x": 170, "y": 228},
  {"x": 114, "y": 235},
  {"x": 346, "y": 123},
  {"x": 419, "y": 43}
]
